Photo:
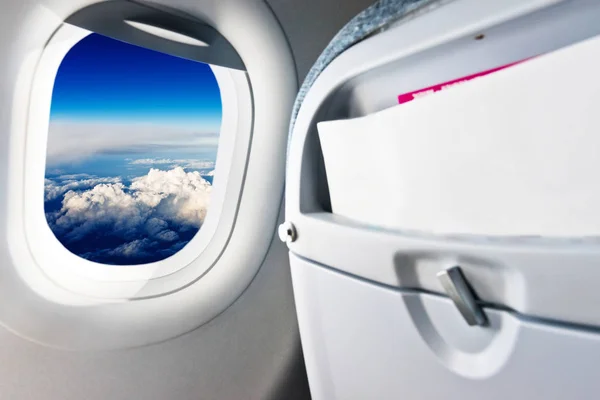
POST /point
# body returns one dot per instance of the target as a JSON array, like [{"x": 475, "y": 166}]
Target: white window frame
[
  {"x": 89, "y": 278},
  {"x": 57, "y": 308}
]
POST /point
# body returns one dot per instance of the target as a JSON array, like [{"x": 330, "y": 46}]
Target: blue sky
[{"x": 102, "y": 79}]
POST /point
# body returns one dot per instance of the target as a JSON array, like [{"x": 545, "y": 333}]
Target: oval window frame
[
  {"x": 89, "y": 278},
  {"x": 35, "y": 307}
]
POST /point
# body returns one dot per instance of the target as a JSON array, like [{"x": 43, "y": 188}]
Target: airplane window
[{"x": 131, "y": 151}]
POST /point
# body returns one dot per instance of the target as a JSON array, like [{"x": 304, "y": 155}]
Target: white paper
[{"x": 516, "y": 152}]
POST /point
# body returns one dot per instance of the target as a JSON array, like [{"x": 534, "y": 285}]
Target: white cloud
[
  {"x": 155, "y": 225},
  {"x": 70, "y": 140},
  {"x": 133, "y": 248},
  {"x": 167, "y": 236},
  {"x": 152, "y": 161},
  {"x": 108, "y": 221},
  {"x": 183, "y": 195},
  {"x": 147, "y": 207},
  {"x": 194, "y": 164},
  {"x": 55, "y": 189},
  {"x": 185, "y": 163},
  {"x": 74, "y": 176}
]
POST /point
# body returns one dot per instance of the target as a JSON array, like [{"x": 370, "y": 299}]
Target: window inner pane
[{"x": 131, "y": 152}]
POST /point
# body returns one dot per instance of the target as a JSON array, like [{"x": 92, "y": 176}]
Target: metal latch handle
[{"x": 460, "y": 292}]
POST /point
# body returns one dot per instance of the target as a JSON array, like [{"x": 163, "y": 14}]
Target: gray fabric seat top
[{"x": 376, "y": 17}]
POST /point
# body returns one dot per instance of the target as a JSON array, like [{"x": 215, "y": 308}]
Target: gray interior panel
[{"x": 251, "y": 351}]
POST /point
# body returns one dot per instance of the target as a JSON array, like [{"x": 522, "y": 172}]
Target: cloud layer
[
  {"x": 114, "y": 222},
  {"x": 72, "y": 140},
  {"x": 54, "y": 189},
  {"x": 185, "y": 163}
]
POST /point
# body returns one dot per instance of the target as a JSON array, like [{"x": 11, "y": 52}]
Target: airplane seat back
[{"x": 484, "y": 297}]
